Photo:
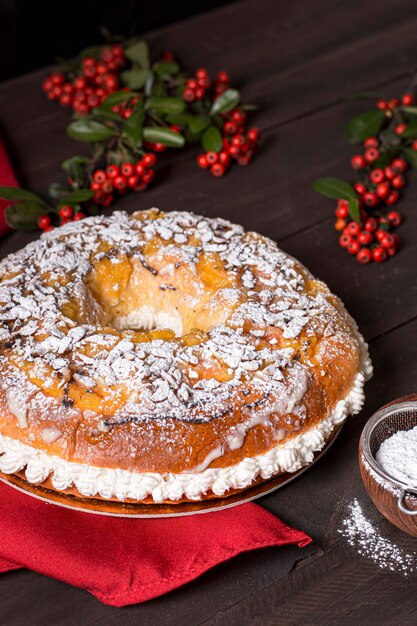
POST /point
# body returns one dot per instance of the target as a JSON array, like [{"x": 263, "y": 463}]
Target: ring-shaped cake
[{"x": 166, "y": 357}]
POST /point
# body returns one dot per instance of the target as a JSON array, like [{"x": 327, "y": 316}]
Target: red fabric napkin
[
  {"x": 127, "y": 561},
  {"x": 8, "y": 178}
]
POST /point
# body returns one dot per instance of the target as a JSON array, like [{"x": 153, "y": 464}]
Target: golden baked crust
[{"x": 166, "y": 343}]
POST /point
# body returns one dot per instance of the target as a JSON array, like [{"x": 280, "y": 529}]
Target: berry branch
[
  {"x": 363, "y": 214},
  {"x": 129, "y": 110}
]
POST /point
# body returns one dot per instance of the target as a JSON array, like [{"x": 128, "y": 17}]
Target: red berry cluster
[
  {"x": 389, "y": 106},
  {"x": 237, "y": 146},
  {"x": 370, "y": 240},
  {"x": 121, "y": 178},
  {"x": 99, "y": 78},
  {"x": 196, "y": 88},
  {"x": 66, "y": 214},
  {"x": 126, "y": 108}
]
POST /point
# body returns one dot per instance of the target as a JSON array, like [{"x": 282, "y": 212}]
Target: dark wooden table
[{"x": 298, "y": 60}]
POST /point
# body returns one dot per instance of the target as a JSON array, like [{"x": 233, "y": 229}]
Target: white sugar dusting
[
  {"x": 369, "y": 542},
  {"x": 397, "y": 456}
]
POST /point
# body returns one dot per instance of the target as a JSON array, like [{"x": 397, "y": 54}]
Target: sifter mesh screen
[{"x": 400, "y": 419}]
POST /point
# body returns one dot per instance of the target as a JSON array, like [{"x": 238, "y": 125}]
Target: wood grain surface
[{"x": 299, "y": 61}]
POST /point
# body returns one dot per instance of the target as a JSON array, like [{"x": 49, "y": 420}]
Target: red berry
[
  {"x": 95, "y": 186},
  {"x": 371, "y": 224},
  {"x": 175, "y": 128},
  {"x": 212, "y": 157},
  {"x": 140, "y": 169},
  {"x": 44, "y": 221},
  {"x": 342, "y": 212},
  {"x": 253, "y": 135},
  {"x": 357, "y": 162},
  {"x": 379, "y": 254},
  {"x": 80, "y": 83},
  {"x": 387, "y": 241},
  {"x": 159, "y": 147},
  {"x": 394, "y": 102},
  {"x": 168, "y": 55},
  {"x": 380, "y": 234},
  {"x": 57, "y": 78},
  {"x": 359, "y": 188},
  {"x": 364, "y": 255},
  {"x": 112, "y": 171},
  {"x": 65, "y": 99},
  {"x": 188, "y": 95},
  {"x": 239, "y": 117},
  {"x": 371, "y": 154},
  {"x": 149, "y": 160},
  {"x": 223, "y": 77},
  {"x": 340, "y": 224},
  {"x": 132, "y": 181},
  {"x": 65, "y": 212},
  {"x": 127, "y": 169},
  {"x": 370, "y": 199},
  {"x": 344, "y": 240},
  {"x": 392, "y": 198},
  {"x": 107, "y": 186},
  {"x": 79, "y": 216},
  {"x": 382, "y": 105},
  {"x": 119, "y": 183},
  {"x": 224, "y": 158},
  {"x": 407, "y": 99},
  {"x": 108, "y": 200},
  {"x": 353, "y": 229},
  {"x": 107, "y": 55},
  {"x": 201, "y": 73},
  {"x": 394, "y": 218},
  {"x": 377, "y": 176},
  {"x": 398, "y": 182},
  {"x": 400, "y": 128},
  {"x": 199, "y": 93},
  {"x": 365, "y": 238},
  {"x": 371, "y": 142},
  {"x": 382, "y": 190},
  {"x": 353, "y": 247},
  {"x": 202, "y": 161},
  {"x": 390, "y": 173},
  {"x": 99, "y": 176},
  {"x": 230, "y": 128},
  {"x": 399, "y": 164},
  {"x": 217, "y": 169},
  {"x": 414, "y": 145},
  {"x": 148, "y": 177}
]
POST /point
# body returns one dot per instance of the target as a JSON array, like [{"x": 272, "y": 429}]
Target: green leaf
[
  {"x": 169, "y": 106},
  {"x": 132, "y": 128},
  {"x": 104, "y": 114},
  {"x": 227, "y": 101},
  {"x": 165, "y": 68},
  {"x": 90, "y": 130},
  {"x": 212, "y": 139},
  {"x": 364, "y": 125},
  {"x": 138, "y": 53},
  {"x": 354, "y": 211},
  {"x": 198, "y": 123},
  {"x": 135, "y": 79},
  {"x": 157, "y": 134},
  {"x": 56, "y": 191},
  {"x": 116, "y": 98},
  {"x": 410, "y": 131},
  {"x": 179, "y": 118},
  {"x": 24, "y": 216},
  {"x": 411, "y": 156},
  {"x": 80, "y": 195},
  {"x": 22, "y": 195},
  {"x": 334, "y": 188},
  {"x": 409, "y": 109}
]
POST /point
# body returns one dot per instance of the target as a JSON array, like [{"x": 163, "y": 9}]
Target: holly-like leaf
[
  {"x": 22, "y": 195},
  {"x": 135, "y": 79},
  {"x": 364, "y": 125},
  {"x": 411, "y": 157},
  {"x": 138, "y": 53},
  {"x": 226, "y": 101},
  {"x": 158, "y": 134},
  {"x": 24, "y": 216},
  {"x": 354, "y": 211},
  {"x": 169, "y": 106},
  {"x": 211, "y": 139},
  {"x": 335, "y": 188},
  {"x": 80, "y": 195},
  {"x": 132, "y": 128},
  {"x": 165, "y": 68},
  {"x": 198, "y": 123},
  {"x": 90, "y": 131}
]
